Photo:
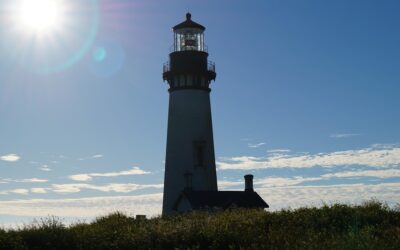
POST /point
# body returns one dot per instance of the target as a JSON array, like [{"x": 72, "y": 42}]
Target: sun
[{"x": 40, "y": 15}]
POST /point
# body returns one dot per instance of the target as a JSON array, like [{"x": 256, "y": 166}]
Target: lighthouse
[
  {"x": 190, "y": 180},
  {"x": 190, "y": 158}
]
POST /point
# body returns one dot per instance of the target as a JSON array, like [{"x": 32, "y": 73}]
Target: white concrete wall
[{"x": 189, "y": 121}]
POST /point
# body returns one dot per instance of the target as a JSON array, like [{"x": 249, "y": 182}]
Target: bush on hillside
[{"x": 372, "y": 225}]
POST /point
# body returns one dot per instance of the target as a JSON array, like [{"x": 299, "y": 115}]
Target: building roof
[
  {"x": 189, "y": 24},
  {"x": 222, "y": 199}
]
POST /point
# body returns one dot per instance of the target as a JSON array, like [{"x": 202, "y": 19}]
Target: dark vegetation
[{"x": 369, "y": 226}]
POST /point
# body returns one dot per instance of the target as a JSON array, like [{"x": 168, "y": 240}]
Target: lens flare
[
  {"x": 48, "y": 36},
  {"x": 108, "y": 58},
  {"x": 99, "y": 54}
]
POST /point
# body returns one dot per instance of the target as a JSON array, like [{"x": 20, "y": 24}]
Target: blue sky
[{"x": 306, "y": 99}]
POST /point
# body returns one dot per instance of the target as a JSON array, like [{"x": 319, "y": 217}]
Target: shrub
[{"x": 372, "y": 225}]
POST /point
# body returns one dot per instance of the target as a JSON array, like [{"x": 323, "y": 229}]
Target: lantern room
[{"x": 189, "y": 36}]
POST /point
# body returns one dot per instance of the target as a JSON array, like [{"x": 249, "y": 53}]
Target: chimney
[
  {"x": 248, "y": 183},
  {"x": 188, "y": 181}
]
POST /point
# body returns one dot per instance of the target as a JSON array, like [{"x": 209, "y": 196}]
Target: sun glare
[{"x": 40, "y": 15}]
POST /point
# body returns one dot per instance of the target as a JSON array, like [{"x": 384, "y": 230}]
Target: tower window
[{"x": 199, "y": 153}]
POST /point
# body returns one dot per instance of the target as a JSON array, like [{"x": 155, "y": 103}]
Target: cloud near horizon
[
  {"x": 295, "y": 180},
  {"x": 150, "y": 204},
  {"x": 88, "y": 177},
  {"x": 381, "y": 173},
  {"x": 113, "y": 187},
  {"x": 10, "y": 158},
  {"x": 373, "y": 156},
  {"x": 301, "y": 196},
  {"x": 78, "y": 187}
]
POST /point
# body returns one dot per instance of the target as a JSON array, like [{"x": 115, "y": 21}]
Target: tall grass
[{"x": 372, "y": 225}]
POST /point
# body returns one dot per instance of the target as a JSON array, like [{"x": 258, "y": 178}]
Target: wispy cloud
[
  {"x": 88, "y": 177},
  {"x": 33, "y": 180},
  {"x": 276, "y": 181},
  {"x": 382, "y": 173},
  {"x": 78, "y": 187},
  {"x": 113, "y": 187},
  {"x": 339, "y": 136},
  {"x": 256, "y": 145},
  {"x": 283, "y": 181},
  {"x": 80, "y": 177},
  {"x": 270, "y": 182},
  {"x": 45, "y": 168},
  {"x": 374, "y": 156},
  {"x": 20, "y": 191},
  {"x": 150, "y": 204},
  {"x": 39, "y": 190},
  {"x": 10, "y": 158},
  {"x": 91, "y": 157},
  {"x": 84, "y": 207},
  {"x": 278, "y": 151},
  {"x": 300, "y": 196},
  {"x": 6, "y": 180}
]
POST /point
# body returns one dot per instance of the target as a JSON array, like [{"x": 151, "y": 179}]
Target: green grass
[{"x": 372, "y": 225}]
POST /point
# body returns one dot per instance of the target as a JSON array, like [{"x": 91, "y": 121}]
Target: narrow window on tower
[{"x": 199, "y": 153}]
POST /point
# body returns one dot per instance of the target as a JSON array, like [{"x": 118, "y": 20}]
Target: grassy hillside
[{"x": 368, "y": 226}]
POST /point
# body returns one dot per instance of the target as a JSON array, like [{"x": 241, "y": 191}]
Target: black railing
[
  {"x": 166, "y": 67},
  {"x": 188, "y": 48},
  {"x": 210, "y": 67}
]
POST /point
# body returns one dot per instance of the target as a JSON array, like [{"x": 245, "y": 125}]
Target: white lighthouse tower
[{"x": 190, "y": 159}]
